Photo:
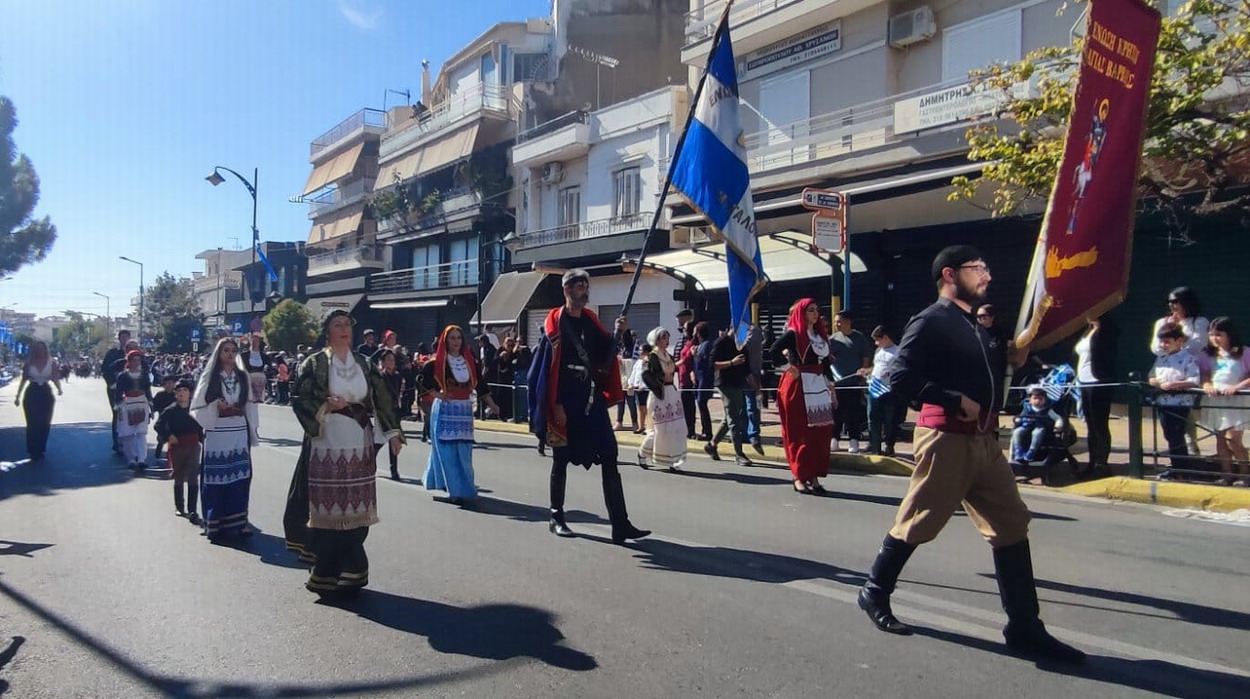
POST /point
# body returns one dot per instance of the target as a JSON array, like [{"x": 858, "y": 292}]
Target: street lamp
[
  {"x": 123, "y": 257},
  {"x": 108, "y": 310},
  {"x": 215, "y": 179}
]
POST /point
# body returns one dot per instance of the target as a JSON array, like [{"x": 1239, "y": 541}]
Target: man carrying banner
[
  {"x": 946, "y": 361},
  {"x": 573, "y": 380}
]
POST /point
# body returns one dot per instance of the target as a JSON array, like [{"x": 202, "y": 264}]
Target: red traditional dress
[{"x": 804, "y": 402}]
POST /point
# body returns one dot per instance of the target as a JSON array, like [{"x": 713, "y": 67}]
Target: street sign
[
  {"x": 822, "y": 200},
  {"x": 195, "y": 335},
  {"x": 828, "y": 233},
  {"x": 195, "y": 346}
]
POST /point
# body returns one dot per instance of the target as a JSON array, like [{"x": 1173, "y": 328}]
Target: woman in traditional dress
[
  {"x": 256, "y": 364},
  {"x": 132, "y": 394},
  {"x": 451, "y": 380},
  {"x": 665, "y": 443},
  {"x": 39, "y": 370},
  {"x": 223, "y": 408},
  {"x": 333, "y": 496},
  {"x": 804, "y": 399}
]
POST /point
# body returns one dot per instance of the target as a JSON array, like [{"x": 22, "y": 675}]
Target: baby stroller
[{"x": 1058, "y": 383}]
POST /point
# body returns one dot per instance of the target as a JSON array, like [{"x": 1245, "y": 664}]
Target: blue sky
[{"x": 126, "y": 106}]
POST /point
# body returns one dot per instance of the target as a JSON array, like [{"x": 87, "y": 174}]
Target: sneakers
[
  {"x": 854, "y": 446},
  {"x": 711, "y": 450},
  {"x": 835, "y": 445},
  {"x": 757, "y": 446}
]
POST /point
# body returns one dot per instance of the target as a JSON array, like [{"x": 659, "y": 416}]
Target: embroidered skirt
[
  {"x": 450, "y": 467},
  {"x": 342, "y": 487},
  {"x": 227, "y": 477},
  {"x": 665, "y": 443},
  {"x": 806, "y": 444}
]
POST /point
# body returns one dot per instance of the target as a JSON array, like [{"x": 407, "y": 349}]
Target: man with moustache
[
  {"x": 948, "y": 363},
  {"x": 573, "y": 380}
]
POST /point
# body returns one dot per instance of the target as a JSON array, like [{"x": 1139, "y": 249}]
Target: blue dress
[{"x": 450, "y": 467}]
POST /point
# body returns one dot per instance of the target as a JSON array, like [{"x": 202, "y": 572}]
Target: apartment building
[
  {"x": 342, "y": 248},
  {"x": 870, "y": 98},
  {"x": 262, "y": 291},
  {"x": 219, "y": 284}
]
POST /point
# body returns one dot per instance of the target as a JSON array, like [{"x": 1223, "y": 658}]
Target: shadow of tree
[
  {"x": 1155, "y": 676},
  {"x": 6, "y": 656},
  {"x": 490, "y": 631},
  {"x": 78, "y": 457}
]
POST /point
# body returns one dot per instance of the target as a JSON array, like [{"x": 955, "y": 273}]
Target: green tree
[
  {"x": 171, "y": 311},
  {"x": 81, "y": 337},
  {"x": 23, "y": 239},
  {"x": 1196, "y": 155},
  {"x": 289, "y": 325}
]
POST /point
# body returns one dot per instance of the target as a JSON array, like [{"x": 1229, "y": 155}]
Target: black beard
[{"x": 968, "y": 294}]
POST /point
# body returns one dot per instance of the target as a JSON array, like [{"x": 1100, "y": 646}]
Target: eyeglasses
[{"x": 981, "y": 269}]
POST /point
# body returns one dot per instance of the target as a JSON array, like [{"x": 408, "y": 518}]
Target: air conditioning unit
[
  {"x": 912, "y": 27},
  {"x": 553, "y": 173}
]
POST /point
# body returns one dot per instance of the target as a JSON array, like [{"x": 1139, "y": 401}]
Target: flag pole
[{"x": 722, "y": 25}]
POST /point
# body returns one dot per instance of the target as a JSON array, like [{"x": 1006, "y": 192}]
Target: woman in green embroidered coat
[{"x": 333, "y": 497}]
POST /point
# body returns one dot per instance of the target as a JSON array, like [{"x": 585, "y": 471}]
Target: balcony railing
[
  {"x": 578, "y": 117},
  {"x": 445, "y": 276},
  {"x": 342, "y": 196},
  {"x": 584, "y": 230},
  {"x": 353, "y": 257},
  {"x": 858, "y": 128},
  {"x": 375, "y": 118},
  {"x": 701, "y": 23},
  {"x": 484, "y": 97}
]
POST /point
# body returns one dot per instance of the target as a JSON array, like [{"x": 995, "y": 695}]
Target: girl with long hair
[
  {"x": 39, "y": 370},
  {"x": 805, "y": 400},
  {"x": 451, "y": 380},
  {"x": 223, "y": 408},
  {"x": 1226, "y": 372}
]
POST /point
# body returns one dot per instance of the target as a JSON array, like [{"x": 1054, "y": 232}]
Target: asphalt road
[{"x": 746, "y": 589}]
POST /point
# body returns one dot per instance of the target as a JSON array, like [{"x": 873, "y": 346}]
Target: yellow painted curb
[
  {"x": 1169, "y": 494},
  {"x": 773, "y": 456}
]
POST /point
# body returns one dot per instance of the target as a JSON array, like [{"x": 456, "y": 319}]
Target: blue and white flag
[
  {"x": 711, "y": 172},
  {"x": 273, "y": 276},
  {"x": 877, "y": 387}
]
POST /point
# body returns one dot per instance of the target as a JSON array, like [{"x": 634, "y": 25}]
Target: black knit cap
[{"x": 953, "y": 256}]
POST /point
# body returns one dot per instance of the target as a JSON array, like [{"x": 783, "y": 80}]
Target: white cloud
[{"x": 359, "y": 18}]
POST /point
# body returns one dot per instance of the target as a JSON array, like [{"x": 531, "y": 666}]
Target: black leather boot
[
  {"x": 874, "y": 596},
  {"x": 1025, "y": 632},
  {"x": 557, "y": 526}
]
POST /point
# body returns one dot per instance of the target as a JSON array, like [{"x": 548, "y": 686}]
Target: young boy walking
[{"x": 183, "y": 435}]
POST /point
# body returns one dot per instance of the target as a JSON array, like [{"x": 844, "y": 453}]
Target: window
[
  {"x": 528, "y": 67},
  {"x": 626, "y": 192},
  {"x": 975, "y": 45},
  {"x": 785, "y": 104},
  {"x": 463, "y": 268},
  {"x": 570, "y": 211}
]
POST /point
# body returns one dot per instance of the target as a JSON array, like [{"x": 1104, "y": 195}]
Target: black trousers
[
  {"x": 613, "y": 491},
  {"x": 702, "y": 396},
  {"x": 735, "y": 423},
  {"x": 687, "y": 407},
  {"x": 1172, "y": 421},
  {"x": 38, "y": 405},
  {"x": 1096, "y": 402},
  {"x": 851, "y": 416},
  {"x": 108, "y": 394}
]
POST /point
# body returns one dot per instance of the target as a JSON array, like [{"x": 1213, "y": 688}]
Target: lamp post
[
  {"x": 108, "y": 311},
  {"x": 215, "y": 179},
  {"x": 136, "y": 262}
]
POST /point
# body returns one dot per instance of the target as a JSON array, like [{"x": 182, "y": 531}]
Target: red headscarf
[
  {"x": 440, "y": 358},
  {"x": 798, "y": 323}
]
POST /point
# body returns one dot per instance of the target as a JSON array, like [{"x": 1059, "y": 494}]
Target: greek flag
[
  {"x": 877, "y": 387},
  {"x": 711, "y": 172},
  {"x": 273, "y": 276}
]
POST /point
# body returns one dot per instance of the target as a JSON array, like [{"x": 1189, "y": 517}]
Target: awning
[
  {"x": 398, "y": 170},
  {"x": 507, "y": 298},
  {"x": 447, "y": 150},
  {"x": 388, "y": 305},
  {"x": 333, "y": 169},
  {"x": 322, "y": 307},
  {"x": 345, "y": 222},
  {"x": 785, "y": 258}
]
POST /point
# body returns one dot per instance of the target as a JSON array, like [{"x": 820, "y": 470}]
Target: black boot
[
  {"x": 178, "y": 506},
  {"x": 193, "y": 498},
  {"x": 614, "y": 499},
  {"x": 395, "y": 473},
  {"x": 557, "y": 526},
  {"x": 1025, "y": 632},
  {"x": 874, "y": 596}
]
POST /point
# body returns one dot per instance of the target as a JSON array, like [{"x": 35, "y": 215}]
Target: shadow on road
[
  {"x": 529, "y": 513},
  {"x": 270, "y": 549},
  {"x": 78, "y": 457},
  {"x": 175, "y": 686},
  {"x": 1156, "y": 676},
  {"x": 6, "y": 656},
  {"x": 491, "y": 631},
  {"x": 17, "y": 548},
  {"x": 1186, "y": 611},
  {"x": 736, "y": 563},
  {"x": 281, "y": 442},
  {"x": 743, "y": 478}
]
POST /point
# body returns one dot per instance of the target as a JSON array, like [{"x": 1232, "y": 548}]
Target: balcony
[
  {"x": 561, "y": 138},
  {"x": 582, "y": 230},
  {"x": 215, "y": 282},
  {"x": 448, "y": 275},
  {"x": 346, "y": 259},
  {"x": 342, "y": 196},
  {"x": 872, "y": 125},
  {"x": 454, "y": 204},
  {"x": 364, "y": 121},
  {"x": 477, "y": 101}
]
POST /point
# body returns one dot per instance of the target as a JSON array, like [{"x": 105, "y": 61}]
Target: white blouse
[
  {"x": 347, "y": 381},
  {"x": 40, "y": 376}
]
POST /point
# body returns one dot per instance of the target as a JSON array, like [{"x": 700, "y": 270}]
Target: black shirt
[
  {"x": 725, "y": 349},
  {"x": 944, "y": 354},
  {"x": 163, "y": 400},
  {"x": 177, "y": 421},
  {"x": 599, "y": 348}
]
